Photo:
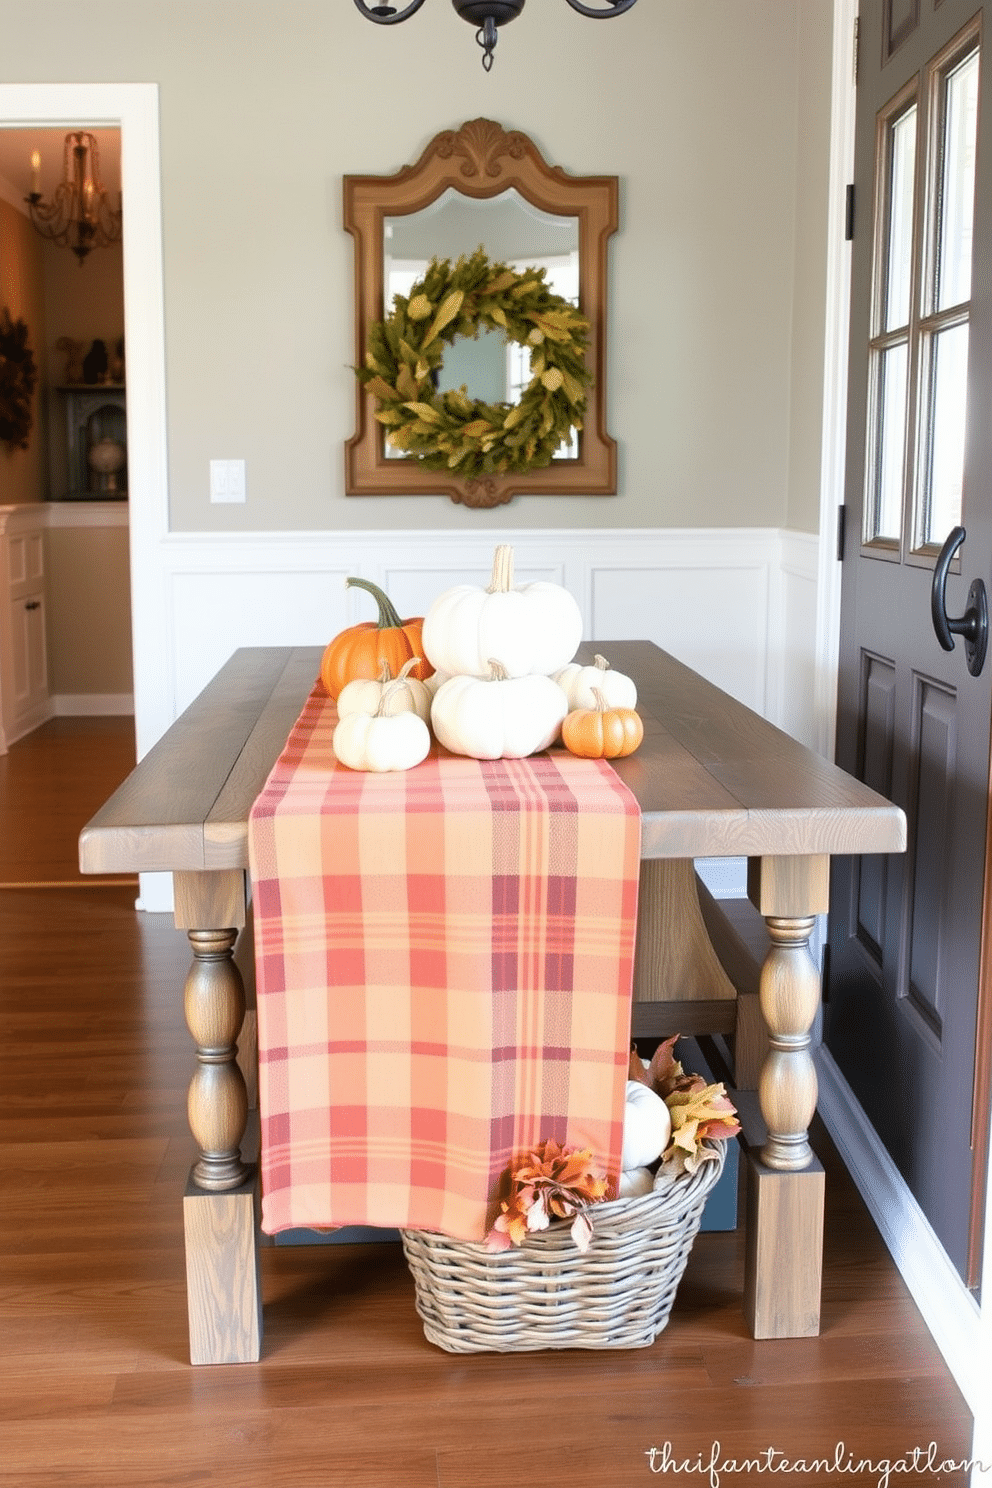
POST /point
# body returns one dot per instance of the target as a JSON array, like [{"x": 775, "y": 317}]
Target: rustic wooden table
[{"x": 713, "y": 779}]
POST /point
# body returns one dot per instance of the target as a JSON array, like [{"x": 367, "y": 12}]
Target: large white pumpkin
[
  {"x": 499, "y": 718},
  {"x": 534, "y": 629}
]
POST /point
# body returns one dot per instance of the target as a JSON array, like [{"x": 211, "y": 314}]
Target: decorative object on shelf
[
  {"x": 450, "y": 431},
  {"x": 107, "y": 458},
  {"x": 74, "y": 350},
  {"x": 487, "y": 15},
  {"x": 115, "y": 370},
  {"x": 96, "y": 362},
  {"x": 91, "y": 413},
  {"x": 78, "y": 215},
  {"x": 18, "y": 376}
]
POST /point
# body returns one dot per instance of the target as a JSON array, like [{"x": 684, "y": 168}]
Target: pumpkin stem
[
  {"x": 497, "y": 671},
  {"x": 388, "y": 615},
  {"x": 383, "y": 710},
  {"x": 385, "y": 675},
  {"x": 601, "y": 662},
  {"x": 601, "y": 704},
  {"x": 502, "y": 579},
  {"x": 406, "y": 668}
]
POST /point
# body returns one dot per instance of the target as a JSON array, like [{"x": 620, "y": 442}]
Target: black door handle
[{"x": 973, "y": 625}]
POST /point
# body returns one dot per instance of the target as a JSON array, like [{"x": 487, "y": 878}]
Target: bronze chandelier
[
  {"x": 487, "y": 16},
  {"x": 78, "y": 214}
]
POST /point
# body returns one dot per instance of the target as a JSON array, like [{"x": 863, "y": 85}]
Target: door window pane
[
  {"x": 957, "y": 194},
  {"x": 948, "y": 406},
  {"x": 899, "y": 265},
  {"x": 886, "y": 517}
]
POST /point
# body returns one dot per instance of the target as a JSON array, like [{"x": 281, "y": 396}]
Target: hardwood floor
[
  {"x": 51, "y": 783},
  {"x": 95, "y": 1390}
]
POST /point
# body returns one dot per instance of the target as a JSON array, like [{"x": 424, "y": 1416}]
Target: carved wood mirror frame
[{"x": 482, "y": 160}]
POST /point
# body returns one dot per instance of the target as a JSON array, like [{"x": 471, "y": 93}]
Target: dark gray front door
[{"x": 905, "y": 969}]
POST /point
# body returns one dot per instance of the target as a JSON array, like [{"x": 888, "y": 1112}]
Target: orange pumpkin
[
  {"x": 360, "y": 650},
  {"x": 602, "y": 732}
]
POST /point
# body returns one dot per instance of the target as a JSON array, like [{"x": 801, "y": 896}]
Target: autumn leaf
[
  {"x": 700, "y": 1113},
  {"x": 550, "y": 1183}
]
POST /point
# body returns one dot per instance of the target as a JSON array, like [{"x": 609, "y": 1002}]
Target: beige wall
[
  {"x": 88, "y": 619},
  {"x": 810, "y": 229},
  {"x": 23, "y": 473},
  {"x": 82, "y": 301},
  {"x": 713, "y": 115}
]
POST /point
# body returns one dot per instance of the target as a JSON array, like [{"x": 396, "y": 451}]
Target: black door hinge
[
  {"x": 849, "y": 213},
  {"x": 841, "y": 531}
]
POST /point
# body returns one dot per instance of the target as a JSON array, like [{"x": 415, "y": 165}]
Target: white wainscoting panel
[
  {"x": 792, "y": 658},
  {"x": 294, "y": 600},
  {"x": 716, "y": 621},
  {"x": 734, "y": 604}
]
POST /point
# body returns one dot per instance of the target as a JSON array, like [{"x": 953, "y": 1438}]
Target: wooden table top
[{"x": 713, "y": 778}]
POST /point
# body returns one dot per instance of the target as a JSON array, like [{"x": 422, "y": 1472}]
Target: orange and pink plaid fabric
[{"x": 444, "y": 964}]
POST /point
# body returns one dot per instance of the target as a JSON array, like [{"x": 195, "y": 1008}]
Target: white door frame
[{"x": 133, "y": 107}]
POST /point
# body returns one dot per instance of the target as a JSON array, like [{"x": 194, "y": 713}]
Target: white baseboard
[
  {"x": 948, "y": 1308},
  {"x": 92, "y": 705}
]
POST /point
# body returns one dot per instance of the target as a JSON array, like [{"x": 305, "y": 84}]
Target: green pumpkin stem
[{"x": 388, "y": 616}]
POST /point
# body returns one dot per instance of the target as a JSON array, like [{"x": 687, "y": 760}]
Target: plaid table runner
[{"x": 444, "y": 964}]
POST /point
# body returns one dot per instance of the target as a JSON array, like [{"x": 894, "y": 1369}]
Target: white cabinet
[{"x": 24, "y": 700}]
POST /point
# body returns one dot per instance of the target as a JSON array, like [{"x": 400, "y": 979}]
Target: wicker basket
[{"x": 547, "y": 1294}]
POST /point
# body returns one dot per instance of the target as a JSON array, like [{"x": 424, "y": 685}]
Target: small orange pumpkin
[
  {"x": 361, "y": 650},
  {"x": 602, "y": 732}
]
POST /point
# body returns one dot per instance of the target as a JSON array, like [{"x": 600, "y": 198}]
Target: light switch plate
[{"x": 227, "y": 480}]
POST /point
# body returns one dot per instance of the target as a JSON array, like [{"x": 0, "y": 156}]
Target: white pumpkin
[
  {"x": 634, "y": 1182},
  {"x": 382, "y": 740},
  {"x": 534, "y": 629},
  {"x": 500, "y": 717},
  {"x": 582, "y": 682},
  {"x": 364, "y": 696},
  {"x": 647, "y": 1126}
]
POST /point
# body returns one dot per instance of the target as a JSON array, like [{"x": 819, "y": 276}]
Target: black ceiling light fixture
[{"x": 487, "y": 16}]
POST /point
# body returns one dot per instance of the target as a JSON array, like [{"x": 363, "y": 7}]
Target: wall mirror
[{"x": 482, "y": 185}]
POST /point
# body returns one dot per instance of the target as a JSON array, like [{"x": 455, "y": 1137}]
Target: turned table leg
[
  {"x": 785, "y": 1183},
  {"x": 217, "y": 1104},
  {"x": 220, "y": 1205}
]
